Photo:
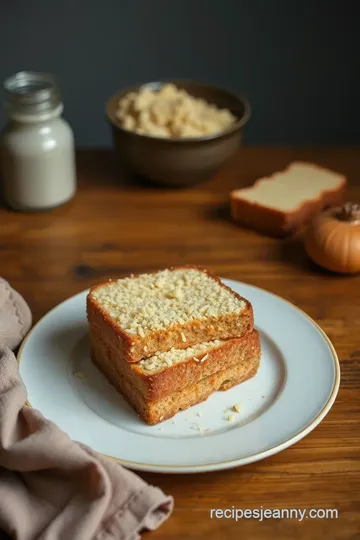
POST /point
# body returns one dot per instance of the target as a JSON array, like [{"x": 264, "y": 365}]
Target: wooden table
[{"x": 115, "y": 226}]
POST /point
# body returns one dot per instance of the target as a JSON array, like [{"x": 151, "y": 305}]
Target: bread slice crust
[
  {"x": 174, "y": 378},
  {"x": 153, "y": 412},
  {"x": 133, "y": 348},
  {"x": 279, "y": 223}
]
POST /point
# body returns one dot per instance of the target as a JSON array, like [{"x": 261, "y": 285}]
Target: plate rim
[{"x": 224, "y": 464}]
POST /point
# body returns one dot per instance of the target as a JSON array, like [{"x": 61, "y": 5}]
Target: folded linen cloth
[
  {"x": 15, "y": 316},
  {"x": 52, "y": 488}
]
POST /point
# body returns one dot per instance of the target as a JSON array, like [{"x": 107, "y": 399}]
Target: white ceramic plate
[{"x": 294, "y": 389}]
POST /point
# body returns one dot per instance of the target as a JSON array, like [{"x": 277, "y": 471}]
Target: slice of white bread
[{"x": 280, "y": 204}]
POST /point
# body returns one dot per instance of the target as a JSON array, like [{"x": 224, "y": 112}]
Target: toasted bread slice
[
  {"x": 161, "y": 375},
  {"x": 179, "y": 307},
  {"x": 155, "y": 411},
  {"x": 280, "y": 204}
]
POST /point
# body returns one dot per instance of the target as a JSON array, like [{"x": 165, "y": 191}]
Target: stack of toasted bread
[{"x": 169, "y": 339}]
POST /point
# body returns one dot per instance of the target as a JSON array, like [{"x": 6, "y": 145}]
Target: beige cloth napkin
[
  {"x": 15, "y": 316},
  {"x": 52, "y": 488}
]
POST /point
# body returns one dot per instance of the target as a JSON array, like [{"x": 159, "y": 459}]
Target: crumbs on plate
[{"x": 79, "y": 375}]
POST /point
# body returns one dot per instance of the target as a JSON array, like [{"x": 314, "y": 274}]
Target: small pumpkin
[{"x": 333, "y": 239}]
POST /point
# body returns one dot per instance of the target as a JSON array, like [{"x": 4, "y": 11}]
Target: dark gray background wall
[{"x": 298, "y": 62}]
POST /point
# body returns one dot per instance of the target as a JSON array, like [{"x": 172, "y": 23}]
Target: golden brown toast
[
  {"x": 160, "y": 376},
  {"x": 240, "y": 367},
  {"x": 148, "y": 314}
]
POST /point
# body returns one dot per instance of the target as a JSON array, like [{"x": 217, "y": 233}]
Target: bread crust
[
  {"x": 153, "y": 412},
  {"x": 279, "y": 223},
  {"x": 133, "y": 348},
  {"x": 177, "y": 376}
]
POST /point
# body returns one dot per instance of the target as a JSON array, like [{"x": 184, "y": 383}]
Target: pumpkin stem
[{"x": 350, "y": 212}]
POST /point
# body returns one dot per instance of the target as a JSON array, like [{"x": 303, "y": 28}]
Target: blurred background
[{"x": 298, "y": 62}]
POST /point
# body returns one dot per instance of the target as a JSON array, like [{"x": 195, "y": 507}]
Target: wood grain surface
[{"x": 116, "y": 225}]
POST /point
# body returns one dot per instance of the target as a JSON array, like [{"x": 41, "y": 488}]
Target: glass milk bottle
[{"x": 37, "y": 145}]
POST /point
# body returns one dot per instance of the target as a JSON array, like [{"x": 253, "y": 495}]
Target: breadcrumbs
[{"x": 198, "y": 427}]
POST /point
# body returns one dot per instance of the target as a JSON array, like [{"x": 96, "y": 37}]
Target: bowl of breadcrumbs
[{"x": 176, "y": 133}]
